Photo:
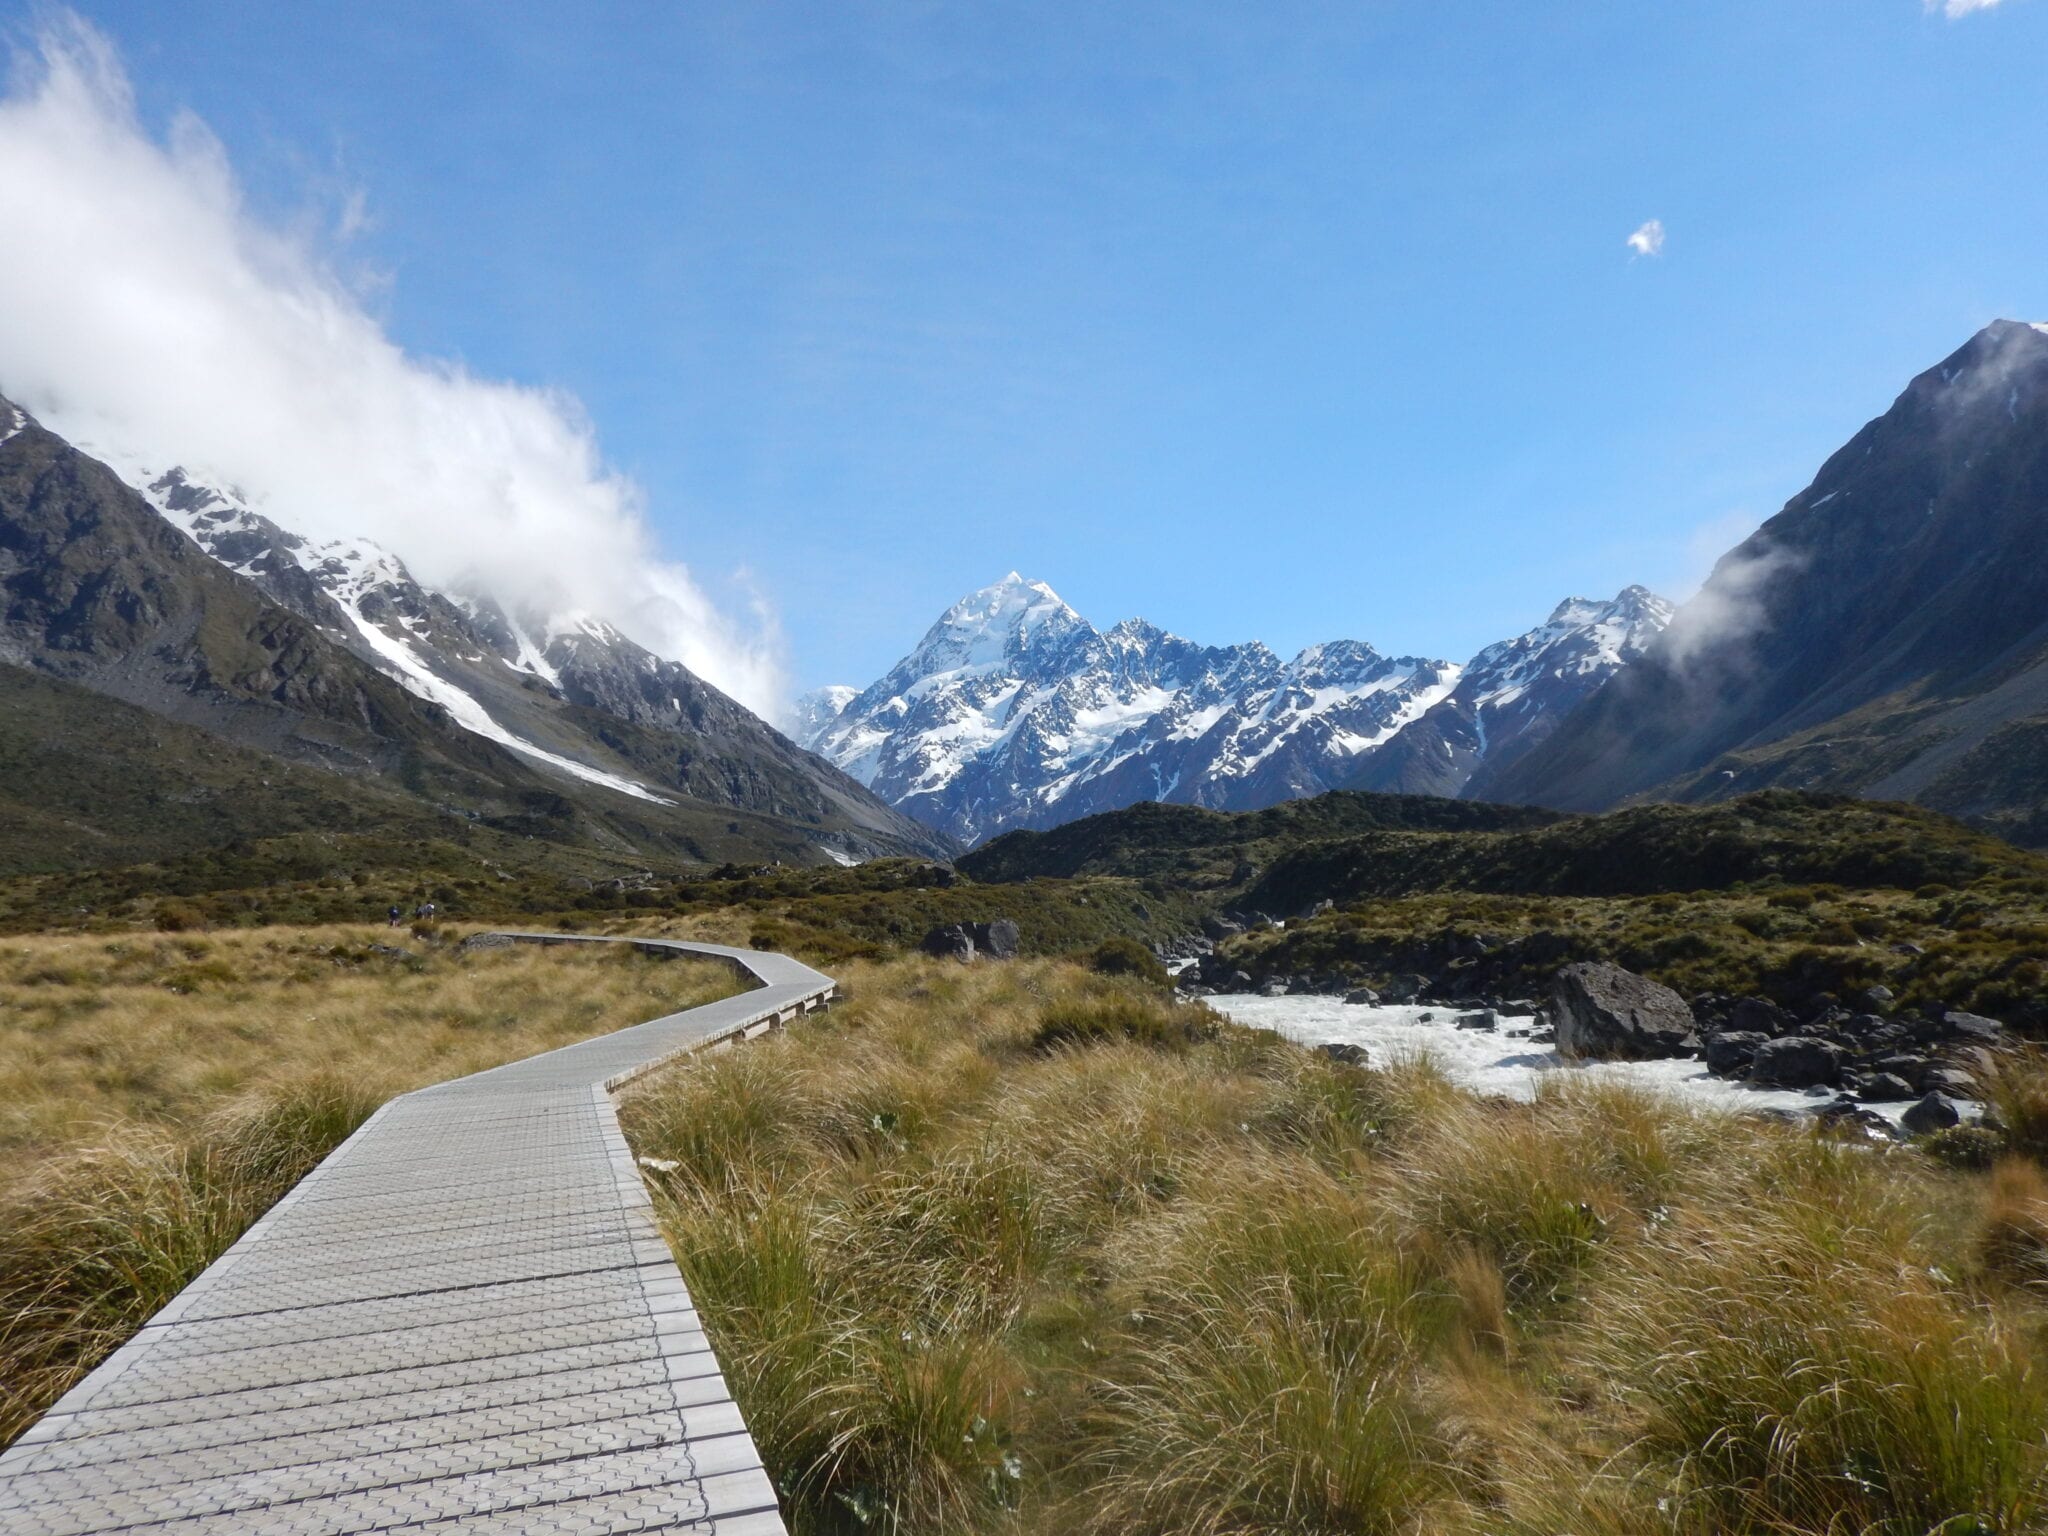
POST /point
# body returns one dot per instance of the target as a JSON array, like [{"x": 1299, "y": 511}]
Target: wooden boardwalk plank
[{"x": 464, "y": 1320}]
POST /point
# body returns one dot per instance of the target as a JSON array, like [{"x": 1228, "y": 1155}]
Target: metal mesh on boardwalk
[{"x": 464, "y": 1320}]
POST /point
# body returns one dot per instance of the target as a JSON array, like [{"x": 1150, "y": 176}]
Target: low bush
[
  {"x": 1127, "y": 957},
  {"x": 1118, "y": 1016}
]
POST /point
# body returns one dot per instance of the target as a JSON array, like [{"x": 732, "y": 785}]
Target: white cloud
[
  {"x": 146, "y": 309},
  {"x": 1648, "y": 240},
  {"x": 1710, "y": 631},
  {"x": 1956, "y": 9}
]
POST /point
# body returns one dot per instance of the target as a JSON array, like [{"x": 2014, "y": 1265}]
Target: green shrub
[
  {"x": 1964, "y": 1146},
  {"x": 1120, "y": 956},
  {"x": 1097, "y": 1020}
]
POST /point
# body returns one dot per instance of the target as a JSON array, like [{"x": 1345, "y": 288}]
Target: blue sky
[{"x": 1282, "y": 321}]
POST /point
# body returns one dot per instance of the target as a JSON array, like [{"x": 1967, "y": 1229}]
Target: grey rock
[
  {"x": 1909, "y": 1065},
  {"x": 1973, "y": 1027},
  {"x": 997, "y": 939},
  {"x": 1936, "y": 1112},
  {"x": 1951, "y": 1080},
  {"x": 1350, "y": 1055},
  {"x": 1846, "y": 1115},
  {"x": 1883, "y": 1088},
  {"x": 1605, "y": 1013},
  {"x": 1796, "y": 1061},
  {"x": 1484, "y": 1018},
  {"x": 1756, "y": 1015},
  {"x": 951, "y": 942},
  {"x": 1729, "y": 1052},
  {"x": 1406, "y": 989},
  {"x": 1362, "y": 997}
]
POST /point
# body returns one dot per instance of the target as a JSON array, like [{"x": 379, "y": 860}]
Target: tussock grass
[
  {"x": 973, "y": 1267},
  {"x": 158, "y": 1094}
]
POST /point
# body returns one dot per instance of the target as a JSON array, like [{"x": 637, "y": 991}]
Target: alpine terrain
[
  {"x": 183, "y": 602},
  {"x": 1886, "y": 634},
  {"x": 1014, "y": 711}
]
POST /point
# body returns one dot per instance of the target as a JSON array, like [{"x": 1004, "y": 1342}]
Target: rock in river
[{"x": 1605, "y": 1013}]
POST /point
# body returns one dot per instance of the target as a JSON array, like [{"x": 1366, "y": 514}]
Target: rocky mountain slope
[
  {"x": 187, "y": 603},
  {"x": 1886, "y": 634},
  {"x": 1513, "y": 694},
  {"x": 1014, "y": 711}
]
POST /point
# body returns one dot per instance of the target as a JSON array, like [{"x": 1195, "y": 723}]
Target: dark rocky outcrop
[
  {"x": 953, "y": 941},
  {"x": 1605, "y": 1013},
  {"x": 1797, "y": 1061},
  {"x": 1936, "y": 1112},
  {"x": 998, "y": 939},
  {"x": 1893, "y": 644},
  {"x": 1730, "y": 1052}
]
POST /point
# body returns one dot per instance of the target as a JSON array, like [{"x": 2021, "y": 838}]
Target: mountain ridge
[
  {"x": 1014, "y": 712},
  {"x": 1885, "y": 634},
  {"x": 275, "y": 644}
]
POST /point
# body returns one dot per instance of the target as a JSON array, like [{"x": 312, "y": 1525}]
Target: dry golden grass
[
  {"x": 164, "y": 1029},
  {"x": 158, "y": 1093},
  {"x": 1021, "y": 1248}
]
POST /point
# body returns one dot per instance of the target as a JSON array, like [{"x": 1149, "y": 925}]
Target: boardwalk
[{"x": 463, "y": 1320}]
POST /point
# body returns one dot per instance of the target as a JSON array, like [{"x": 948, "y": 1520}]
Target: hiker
[{"x": 394, "y": 917}]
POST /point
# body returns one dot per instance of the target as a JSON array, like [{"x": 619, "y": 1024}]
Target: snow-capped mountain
[
  {"x": 568, "y": 693},
  {"x": 1513, "y": 694},
  {"x": 1014, "y": 711}
]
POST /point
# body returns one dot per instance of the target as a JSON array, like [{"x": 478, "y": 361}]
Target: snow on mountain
[
  {"x": 813, "y": 712},
  {"x": 1513, "y": 694},
  {"x": 1014, "y": 711},
  {"x": 367, "y": 599}
]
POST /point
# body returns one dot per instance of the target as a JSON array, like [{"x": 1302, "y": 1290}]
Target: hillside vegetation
[
  {"x": 1349, "y": 847},
  {"x": 1207, "y": 848},
  {"x": 1023, "y": 1248}
]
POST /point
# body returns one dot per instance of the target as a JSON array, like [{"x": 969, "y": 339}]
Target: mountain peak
[
  {"x": 1002, "y": 619},
  {"x": 1632, "y": 603}
]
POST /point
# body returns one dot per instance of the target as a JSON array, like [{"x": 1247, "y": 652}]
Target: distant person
[{"x": 394, "y": 917}]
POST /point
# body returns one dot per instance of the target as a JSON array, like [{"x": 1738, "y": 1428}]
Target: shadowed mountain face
[
  {"x": 335, "y": 656},
  {"x": 1886, "y": 634},
  {"x": 1513, "y": 694}
]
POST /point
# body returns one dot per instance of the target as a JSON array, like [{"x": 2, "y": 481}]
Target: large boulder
[
  {"x": 1797, "y": 1061},
  {"x": 1756, "y": 1015},
  {"x": 1936, "y": 1112},
  {"x": 998, "y": 940},
  {"x": 1729, "y": 1053},
  {"x": 1605, "y": 1013},
  {"x": 952, "y": 942},
  {"x": 1973, "y": 1028}
]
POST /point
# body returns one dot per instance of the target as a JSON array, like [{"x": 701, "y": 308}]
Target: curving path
[{"x": 463, "y": 1320}]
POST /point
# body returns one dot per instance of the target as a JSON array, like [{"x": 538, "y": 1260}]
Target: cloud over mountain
[{"x": 148, "y": 312}]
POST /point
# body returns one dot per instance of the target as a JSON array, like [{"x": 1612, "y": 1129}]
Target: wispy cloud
[
  {"x": 1955, "y": 10},
  {"x": 1648, "y": 239},
  {"x": 146, "y": 309}
]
